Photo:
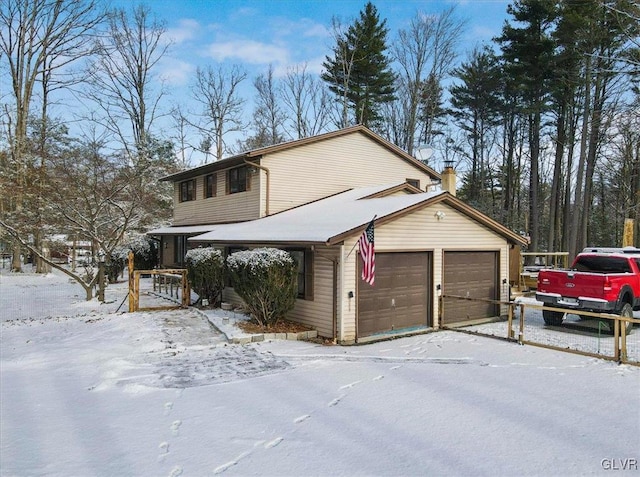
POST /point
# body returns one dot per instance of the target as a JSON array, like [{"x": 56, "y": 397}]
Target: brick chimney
[{"x": 448, "y": 178}]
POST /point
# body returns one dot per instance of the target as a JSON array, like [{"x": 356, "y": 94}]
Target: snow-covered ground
[{"x": 86, "y": 391}]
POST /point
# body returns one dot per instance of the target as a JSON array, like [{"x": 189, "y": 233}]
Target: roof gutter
[{"x": 268, "y": 173}]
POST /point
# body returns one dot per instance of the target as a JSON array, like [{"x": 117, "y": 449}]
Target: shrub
[
  {"x": 145, "y": 256},
  {"x": 205, "y": 267},
  {"x": 266, "y": 279}
]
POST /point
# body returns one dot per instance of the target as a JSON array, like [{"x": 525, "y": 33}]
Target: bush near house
[
  {"x": 266, "y": 279},
  {"x": 145, "y": 256},
  {"x": 205, "y": 267}
]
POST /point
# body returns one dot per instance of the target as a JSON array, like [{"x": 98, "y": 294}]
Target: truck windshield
[{"x": 600, "y": 264}]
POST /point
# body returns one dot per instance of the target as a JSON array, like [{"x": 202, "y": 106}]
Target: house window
[
  {"x": 237, "y": 180},
  {"x": 304, "y": 259},
  {"x": 188, "y": 190},
  {"x": 179, "y": 249},
  {"x": 210, "y": 186},
  {"x": 414, "y": 182}
]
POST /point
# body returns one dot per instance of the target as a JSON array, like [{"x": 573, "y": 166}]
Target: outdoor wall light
[{"x": 440, "y": 215}]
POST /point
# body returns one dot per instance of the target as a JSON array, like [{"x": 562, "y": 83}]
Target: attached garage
[
  {"x": 470, "y": 274},
  {"x": 426, "y": 244},
  {"x": 401, "y": 297}
]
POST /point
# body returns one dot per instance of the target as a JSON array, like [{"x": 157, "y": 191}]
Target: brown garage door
[
  {"x": 400, "y": 297},
  {"x": 471, "y": 275}
]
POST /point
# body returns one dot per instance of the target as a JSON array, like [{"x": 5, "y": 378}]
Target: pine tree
[
  {"x": 475, "y": 103},
  {"x": 359, "y": 72}
]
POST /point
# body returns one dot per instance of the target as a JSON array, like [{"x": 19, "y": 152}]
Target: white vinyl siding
[{"x": 313, "y": 171}]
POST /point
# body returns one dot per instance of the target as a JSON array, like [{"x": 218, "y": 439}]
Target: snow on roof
[
  {"x": 182, "y": 230},
  {"x": 319, "y": 221}
]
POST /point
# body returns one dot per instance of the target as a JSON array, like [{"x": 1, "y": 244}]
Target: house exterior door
[
  {"x": 472, "y": 274},
  {"x": 401, "y": 296}
]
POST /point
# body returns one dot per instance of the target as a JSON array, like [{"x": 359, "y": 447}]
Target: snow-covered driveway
[{"x": 85, "y": 391}]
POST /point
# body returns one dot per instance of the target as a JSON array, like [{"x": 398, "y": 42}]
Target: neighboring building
[{"x": 314, "y": 197}]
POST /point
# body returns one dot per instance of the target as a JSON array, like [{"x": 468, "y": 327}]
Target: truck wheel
[
  {"x": 626, "y": 311},
  {"x": 553, "y": 318}
]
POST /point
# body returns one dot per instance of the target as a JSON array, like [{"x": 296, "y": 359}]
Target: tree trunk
[
  {"x": 534, "y": 209},
  {"x": 554, "y": 201},
  {"x": 577, "y": 213}
]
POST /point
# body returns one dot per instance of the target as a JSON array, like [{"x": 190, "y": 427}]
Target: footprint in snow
[
  {"x": 176, "y": 471},
  {"x": 164, "y": 447},
  {"x": 168, "y": 406},
  {"x": 273, "y": 443},
  {"x": 378, "y": 378},
  {"x": 335, "y": 401},
  {"x": 220, "y": 469},
  {"x": 350, "y": 385},
  {"x": 298, "y": 420},
  {"x": 175, "y": 427},
  {"x": 395, "y": 367}
]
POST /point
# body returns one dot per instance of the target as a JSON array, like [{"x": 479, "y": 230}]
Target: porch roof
[
  {"x": 182, "y": 230},
  {"x": 325, "y": 221}
]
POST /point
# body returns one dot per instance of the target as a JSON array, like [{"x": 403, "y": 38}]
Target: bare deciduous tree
[
  {"x": 426, "y": 50},
  {"x": 307, "y": 100},
  {"x": 123, "y": 82},
  {"x": 39, "y": 39},
  {"x": 268, "y": 116},
  {"x": 216, "y": 90}
]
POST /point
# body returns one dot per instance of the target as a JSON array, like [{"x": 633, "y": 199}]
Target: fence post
[
  {"x": 521, "y": 332},
  {"x": 623, "y": 341},
  {"x": 510, "y": 320},
  {"x": 131, "y": 284},
  {"x": 616, "y": 339},
  {"x": 186, "y": 290}
]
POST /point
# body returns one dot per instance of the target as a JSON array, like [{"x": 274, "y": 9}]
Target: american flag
[{"x": 367, "y": 251}]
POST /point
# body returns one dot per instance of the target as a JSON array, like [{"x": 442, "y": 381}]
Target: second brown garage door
[
  {"x": 400, "y": 297},
  {"x": 471, "y": 275}
]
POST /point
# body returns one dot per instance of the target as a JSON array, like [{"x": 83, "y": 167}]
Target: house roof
[
  {"x": 182, "y": 230},
  {"x": 335, "y": 218},
  {"x": 254, "y": 154}
]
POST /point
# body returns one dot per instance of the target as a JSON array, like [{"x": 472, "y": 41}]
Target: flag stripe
[{"x": 367, "y": 252}]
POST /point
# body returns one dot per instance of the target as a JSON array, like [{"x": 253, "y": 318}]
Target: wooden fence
[{"x": 601, "y": 335}]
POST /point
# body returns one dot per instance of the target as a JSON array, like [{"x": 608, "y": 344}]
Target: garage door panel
[
  {"x": 470, "y": 275},
  {"x": 400, "y": 297}
]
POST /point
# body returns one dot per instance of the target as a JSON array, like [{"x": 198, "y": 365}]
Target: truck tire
[
  {"x": 553, "y": 318},
  {"x": 626, "y": 311}
]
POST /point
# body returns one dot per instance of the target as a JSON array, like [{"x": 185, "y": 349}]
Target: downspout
[
  {"x": 340, "y": 317},
  {"x": 268, "y": 173}
]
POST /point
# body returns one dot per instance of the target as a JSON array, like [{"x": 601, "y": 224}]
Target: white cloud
[
  {"x": 186, "y": 30},
  {"x": 248, "y": 51},
  {"x": 176, "y": 72}
]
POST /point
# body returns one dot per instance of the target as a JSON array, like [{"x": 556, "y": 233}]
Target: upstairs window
[
  {"x": 210, "y": 186},
  {"x": 188, "y": 190},
  {"x": 237, "y": 180},
  {"x": 414, "y": 182}
]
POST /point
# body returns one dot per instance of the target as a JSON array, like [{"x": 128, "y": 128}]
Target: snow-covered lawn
[{"x": 85, "y": 391}]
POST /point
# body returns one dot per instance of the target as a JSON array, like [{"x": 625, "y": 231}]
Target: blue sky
[
  {"x": 284, "y": 33},
  {"x": 256, "y": 33}
]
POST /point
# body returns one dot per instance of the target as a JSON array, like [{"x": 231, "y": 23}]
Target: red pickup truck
[{"x": 600, "y": 280}]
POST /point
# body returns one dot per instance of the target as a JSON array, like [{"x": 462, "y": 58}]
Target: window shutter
[{"x": 308, "y": 275}]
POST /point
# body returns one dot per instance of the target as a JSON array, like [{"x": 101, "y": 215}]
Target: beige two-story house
[{"x": 314, "y": 197}]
